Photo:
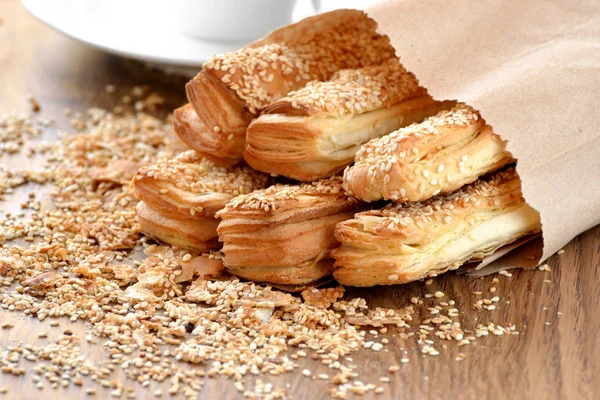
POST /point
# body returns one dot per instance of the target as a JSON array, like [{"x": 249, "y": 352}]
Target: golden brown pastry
[
  {"x": 188, "y": 127},
  {"x": 283, "y": 234},
  {"x": 181, "y": 196},
  {"x": 438, "y": 155},
  {"x": 233, "y": 88},
  {"x": 315, "y": 132},
  {"x": 405, "y": 242},
  {"x": 192, "y": 234}
]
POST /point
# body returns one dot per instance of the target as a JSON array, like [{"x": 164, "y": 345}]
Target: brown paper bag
[{"x": 533, "y": 70}]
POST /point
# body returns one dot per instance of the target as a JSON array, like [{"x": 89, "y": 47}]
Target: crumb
[{"x": 35, "y": 105}]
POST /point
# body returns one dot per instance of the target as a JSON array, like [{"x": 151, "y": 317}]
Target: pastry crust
[
  {"x": 302, "y": 274},
  {"x": 351, "y": 92},
  {"x": 438, "y": 155},
  {"x": 193, "y": 234},
  {"x": 233, "y": 88},
  {"x": 315, "y": 131},
  {"x": 406, "y": 242},
  {"x": 188, "y": 127},
  {"x": 191, "y": 186},
  {"x": 283, "y": 234},
  {"x": 181, "y": 196}
]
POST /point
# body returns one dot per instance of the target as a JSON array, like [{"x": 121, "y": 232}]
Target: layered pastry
[
  {"x": 180, "y": 197},
  {"x": 221, "y": 149},
  {"x": 283, "y": 234},
  {"x": 436, "y": 156},
  {"x": 315, "y": 132},
  {"x": 406, "y": 242},
  {"x": 233, "y": 88}
]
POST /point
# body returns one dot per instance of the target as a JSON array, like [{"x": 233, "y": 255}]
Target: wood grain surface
[{"x": 555, "y": 356}]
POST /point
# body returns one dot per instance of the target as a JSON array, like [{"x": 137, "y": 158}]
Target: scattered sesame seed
[
  {"x": 545, "y": 267},
  {"x": 79, "y": 267}
]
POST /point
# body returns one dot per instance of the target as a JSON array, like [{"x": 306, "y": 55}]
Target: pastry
[
  {"x": 405, "y": 242},
  {"x": 233, "y": 88},
  {"x": 283, "y": 234},
  {"x": 438, "y": 155},
  {"x": 315, "y": 132},
  {"x": 188, "y": 127},
  {"x": 198, "y": 234},
  {"x": 180, "y": 197}
]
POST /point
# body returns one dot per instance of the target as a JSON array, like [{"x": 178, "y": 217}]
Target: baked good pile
[
  {"x": 310, "y": 156},
  {"x": 315, "y": 153}
]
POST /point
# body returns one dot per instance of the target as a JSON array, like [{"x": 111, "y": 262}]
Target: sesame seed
[
  {"x": 303, "y": 59},
  {"x": 155, "y": 319},
  {"x": 545, "y": 267}
]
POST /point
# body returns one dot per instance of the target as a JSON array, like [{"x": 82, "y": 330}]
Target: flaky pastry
[
  {"x": 406, "y": 242},
  {"x": 181, "y": 196},
  {"x": 438, "y": 155},
  {"x": 198, "y": 234},
  {"x": 283, "y": 234},
  {"x": 315, "y": 132},
  {"x": 188, "y": 127},
  {"x": 233, "y": 88}
]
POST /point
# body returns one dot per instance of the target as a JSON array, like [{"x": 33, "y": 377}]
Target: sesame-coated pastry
[
  {"x": 406, "y": 242},
  {"x": 283, "y": 234},
  {"x": 198, "y": 234},
  {"x": 188, "y": 127},
  {"x": 233, "y": 88},
  {"x": 436, "y": 156},
  {"x": 184, "y": 193},
  {"x": 314, "y": 132}
]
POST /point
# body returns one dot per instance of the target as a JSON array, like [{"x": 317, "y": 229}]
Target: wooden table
[{"x": 556, "y": 355}]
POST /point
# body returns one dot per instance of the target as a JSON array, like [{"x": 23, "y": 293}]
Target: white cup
[{"x": 233, "y": 20}]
